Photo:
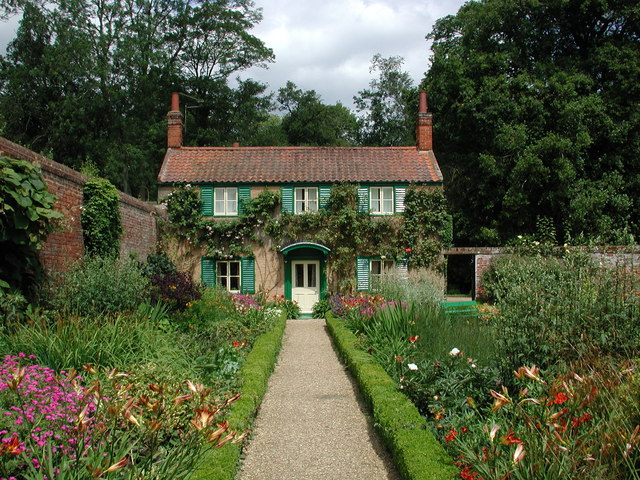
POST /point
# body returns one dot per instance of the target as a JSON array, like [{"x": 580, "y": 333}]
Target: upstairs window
[
  {"x": 225, "y": 201},
  {"x": 306, "y": 199},
  {"x": 381, "y": 200}
]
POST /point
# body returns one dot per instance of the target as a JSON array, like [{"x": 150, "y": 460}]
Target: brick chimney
[
  {"x": 174, "y": 120},
  {"x": 424, "y": 129}
]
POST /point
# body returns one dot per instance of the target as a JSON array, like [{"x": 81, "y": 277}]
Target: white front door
[{"x": 305, "y": 288}]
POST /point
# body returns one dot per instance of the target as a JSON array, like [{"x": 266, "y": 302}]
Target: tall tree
[
  {"x": 308, "y": 121},
  {"x": 388, "y": 108},
  {"x": 537, "y": 114},
  {"x": 92, "y": 78}
]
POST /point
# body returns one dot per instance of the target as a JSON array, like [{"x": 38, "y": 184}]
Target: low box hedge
[
  {"x": 415, "y": 451},
  {"x": 222, "y": 463}
]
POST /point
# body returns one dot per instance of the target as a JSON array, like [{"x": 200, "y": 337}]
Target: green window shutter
[
  {"x": 206, "y": 197},
  {"x": 248, "y": 275},
  {"x": 286, "y": 198},
  {"x": 402, "y": 269},
  {"x": 362, "y": 274},
  {"x": 363, "y": 199},
  {"x": 208, "y": 267},
  {"x": 244, "y": 195},
  {"x": 324, "y": 192},
  {"x": 399, "y": 192}
]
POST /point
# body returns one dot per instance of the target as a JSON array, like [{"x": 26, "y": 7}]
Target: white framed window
[
  {"x": 306, "y": 199},
  {"x": 228, "y": 275},
  {"x": 225, "y": 201},
  {"x": 381, "y": 200},
  {"x": 379, "y": 268}
]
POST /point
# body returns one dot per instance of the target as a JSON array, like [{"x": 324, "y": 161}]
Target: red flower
[
  {"x": 510, "y": 439},
  {"x": 464, "y": 430},
  {"x": 414, "y": 339},
  {"x": 560, "y": 398},
  {"x": 451, "y": 435},
  {"x": 236, "y": 344},
  {"x": 11, "y": 446},
  {"x": 408, "y": 250}
]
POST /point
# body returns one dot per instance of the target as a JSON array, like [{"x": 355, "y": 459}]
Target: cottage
[{"x": 303, "y": 177}]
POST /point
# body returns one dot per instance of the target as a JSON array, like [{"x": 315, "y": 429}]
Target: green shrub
[
  {"x": 98, "y": 285},
  {"x": 100, "y": 218},
  {"x": 320, "y": 308},
  {"x": 123, "y": 340},
  {"x": 159, "y": 264},
  {"x": 556, "y": 310},
  {"x": 423, "y": 288},
  {"x": 26, "y": 220}
]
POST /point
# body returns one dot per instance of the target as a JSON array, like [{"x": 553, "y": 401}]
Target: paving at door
[{"x": 310, "y": 425}]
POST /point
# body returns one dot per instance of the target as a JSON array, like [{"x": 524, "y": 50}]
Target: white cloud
[{"x": 328, "y": 46}]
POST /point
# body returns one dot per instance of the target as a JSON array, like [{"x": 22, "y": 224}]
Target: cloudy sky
[{"x": 327, "y": 45}]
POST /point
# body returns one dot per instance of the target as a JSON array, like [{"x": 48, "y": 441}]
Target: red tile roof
[{"x": 299, "y": 165}]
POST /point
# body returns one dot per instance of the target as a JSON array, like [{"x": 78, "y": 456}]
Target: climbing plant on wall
[
  {"x": 101, "y": 223},
  {"x": 417, "y": 236}
]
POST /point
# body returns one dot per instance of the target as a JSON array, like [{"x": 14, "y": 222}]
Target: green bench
[{"x": 460, "y": 309}]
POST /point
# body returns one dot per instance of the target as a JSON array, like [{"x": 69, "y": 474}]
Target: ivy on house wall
[
  {"x": 100, "y": 219},
  {"x": 418, "y": 235}
]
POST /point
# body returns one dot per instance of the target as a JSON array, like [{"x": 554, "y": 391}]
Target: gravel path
[{"x": 310, "y": 425}]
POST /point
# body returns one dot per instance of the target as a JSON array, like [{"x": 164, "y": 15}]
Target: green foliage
[
  {"x": 423, "y": 288},
  {"x": 158, "y": 263},
  {"x": 98, "y": 285},
  {"x": 101, "y": 224},
  {"x": 122, "y": 341},
  {"x": 387, "y": 109},
  {"x": 183, "y": 207},
  {"x": 549, "y": 90},
  {"x": 176, "y": 289},
  {"x": 557, "y": 310},
  {"x": 26, "y": 218},
  {"x": 427, "y": 227},
  {"x": 310, "y": 122},
  {"x": 416, "y": 453},
  {"x": 320, "y": 308}
]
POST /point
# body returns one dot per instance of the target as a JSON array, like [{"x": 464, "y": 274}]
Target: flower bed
[{"x": 496, "y": 412}]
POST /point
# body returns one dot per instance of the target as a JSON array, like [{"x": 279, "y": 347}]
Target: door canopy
[{"x": 307, "y": 245}]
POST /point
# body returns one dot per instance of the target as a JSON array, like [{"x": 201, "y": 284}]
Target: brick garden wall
[{"x": 62, "y": 248}]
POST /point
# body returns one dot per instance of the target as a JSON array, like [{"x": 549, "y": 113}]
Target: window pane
[
  {"x": 234, "y": 283},
  {"x": 218, "y": 208},
  {"x": 232, "y": 194},
  {"x": 311, "y": 275},
  {"x": 222, "y": 269},
  {"x": 234, "y": 268},
  {"x": 299, "y": 193},
  {"x": 222, "y": 281},
  {"x": 387, "y": 206},
  {"x": 232, "y": 207},
  {"x": 376, "y": 267},
  {"x": 387, "y": 193},
  {"x": 299, "y": 275},
  {"x": 312, "y": 194}
]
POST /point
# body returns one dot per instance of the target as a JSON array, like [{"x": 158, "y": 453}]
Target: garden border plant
[
  {"x": 222, "y": 464},
  {"x": 416, "y": 452}
]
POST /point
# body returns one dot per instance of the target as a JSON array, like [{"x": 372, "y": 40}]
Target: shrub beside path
[{"x": 311, "y": 425}]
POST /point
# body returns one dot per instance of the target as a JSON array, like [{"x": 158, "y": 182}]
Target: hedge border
[
  {"x": 222, "y": 463},
  {"x": 415, "y": 451}
]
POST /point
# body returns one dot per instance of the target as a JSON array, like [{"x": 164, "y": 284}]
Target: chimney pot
[
  {"x": 174, "y": 123},
  {"x": 424, "y": 128},
  {"x": 423, "y": 102}
]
